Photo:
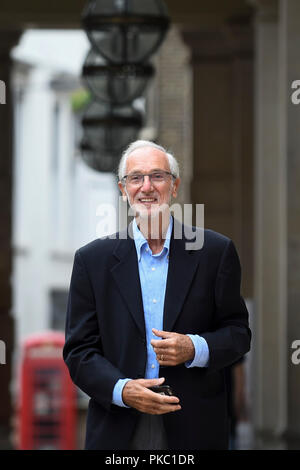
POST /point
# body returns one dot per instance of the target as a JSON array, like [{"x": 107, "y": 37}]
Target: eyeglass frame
[{"x": 123, "y": 180}]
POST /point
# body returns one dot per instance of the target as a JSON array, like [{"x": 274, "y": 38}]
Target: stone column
[
  {"x": 7, "y": 41},
  {"x": 277, "y": 235},
  {"x": 289, "y": 125},
  {"x": 63, "y": 87},
  {"x": 269, "y": 340},
  {"x": 223, "y": 134}
]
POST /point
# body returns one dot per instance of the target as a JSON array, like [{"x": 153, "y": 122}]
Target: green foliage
[{"x": 80, "y": 99}]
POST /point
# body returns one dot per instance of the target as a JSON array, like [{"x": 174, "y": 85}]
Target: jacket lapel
[
  {"x": 182, "y": 267},
  {"x": 126, "y": 276}
]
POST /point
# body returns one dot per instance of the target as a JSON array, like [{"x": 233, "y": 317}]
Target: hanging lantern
[
  {"x": 106, "y": 132},
  {"x": 126, "y": 31},
  {"x": 96, "y": 160},
  {"x": 117, "y": 84}
]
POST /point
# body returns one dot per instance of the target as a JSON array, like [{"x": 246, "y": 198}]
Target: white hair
[{"x": 173, "y": 164}]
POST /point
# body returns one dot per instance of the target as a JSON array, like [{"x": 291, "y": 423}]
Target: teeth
[{"x": 147, "y": 200}]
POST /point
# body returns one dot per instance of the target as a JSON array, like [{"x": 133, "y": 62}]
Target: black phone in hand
[{"x": 162, "y": 389}]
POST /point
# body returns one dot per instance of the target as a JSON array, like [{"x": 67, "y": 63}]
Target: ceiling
[{"x": 23, "y": 14}]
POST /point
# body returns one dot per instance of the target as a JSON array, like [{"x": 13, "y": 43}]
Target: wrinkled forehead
[{"x": 146, "y": 159}]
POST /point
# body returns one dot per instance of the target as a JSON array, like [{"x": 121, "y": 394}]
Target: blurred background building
[{"x": 221, "y": 101}]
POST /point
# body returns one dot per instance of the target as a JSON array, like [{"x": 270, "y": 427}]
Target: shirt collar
[{"x": 140, "y": 240}]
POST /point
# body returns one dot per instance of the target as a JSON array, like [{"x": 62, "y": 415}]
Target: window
[{"x": 59, "y": 301}]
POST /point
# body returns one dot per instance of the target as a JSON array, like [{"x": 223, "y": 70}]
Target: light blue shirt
[{"x": 153, "y": 272}]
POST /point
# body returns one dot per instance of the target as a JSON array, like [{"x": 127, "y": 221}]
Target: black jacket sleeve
[
  {"x": 231, "y": 337},
  {"x": 82, "y": 352}
]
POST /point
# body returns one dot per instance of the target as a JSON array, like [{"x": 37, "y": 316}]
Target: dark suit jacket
[{"x": 106, "y": 341}]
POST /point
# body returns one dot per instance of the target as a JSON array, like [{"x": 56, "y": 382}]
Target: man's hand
[
  {"x": 137, "y": 395},
  {"x": 174, "y": 349}
]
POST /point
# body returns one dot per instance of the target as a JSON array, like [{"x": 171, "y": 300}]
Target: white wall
[{"x": 55, "y": 206}]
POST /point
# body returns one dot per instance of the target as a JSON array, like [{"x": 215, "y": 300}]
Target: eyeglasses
[{"x": 156, "y": 177}]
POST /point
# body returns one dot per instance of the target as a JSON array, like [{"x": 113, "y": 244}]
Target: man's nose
[{"x": 147, "y": 184}]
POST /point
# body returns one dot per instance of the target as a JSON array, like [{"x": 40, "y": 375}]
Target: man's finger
[
  {"x": 150, "y": 382},
  {"x": 162, "y": 334},
  {"x": 159, "y": 344}
]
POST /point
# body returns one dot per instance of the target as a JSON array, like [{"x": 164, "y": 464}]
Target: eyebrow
[{"x": 150, "y": 171}]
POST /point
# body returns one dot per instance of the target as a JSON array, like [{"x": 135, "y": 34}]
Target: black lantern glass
[
  {"x": 117, "y": 84},
  {"x": 97, "y": 160},
  {"x": 126, "y": 31},
  {"x": 107, "y": 131}
]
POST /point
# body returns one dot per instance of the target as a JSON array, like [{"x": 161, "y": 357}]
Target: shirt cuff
[
  {"x": 201, "y": 357},
  {"x": 117, "y": 393}
]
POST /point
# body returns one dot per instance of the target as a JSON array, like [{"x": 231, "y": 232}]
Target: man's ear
[
  {"x": 122, "y": 189},
  {"x": 175, "y": 187}
]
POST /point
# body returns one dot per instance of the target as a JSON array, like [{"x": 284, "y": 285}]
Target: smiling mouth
[{"x": 148, "y": 200}]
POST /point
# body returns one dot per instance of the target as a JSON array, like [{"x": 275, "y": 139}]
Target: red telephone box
[{"x": 47, "y": 407}]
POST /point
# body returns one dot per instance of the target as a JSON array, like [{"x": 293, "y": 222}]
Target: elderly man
[{"x": 146, "y": 311}]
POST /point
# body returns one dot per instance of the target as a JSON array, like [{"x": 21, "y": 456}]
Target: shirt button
[
  {"x": 153, "y": 269},
  {"x": 154, "y": 301},
  {"x": 153, "y": 366}
]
